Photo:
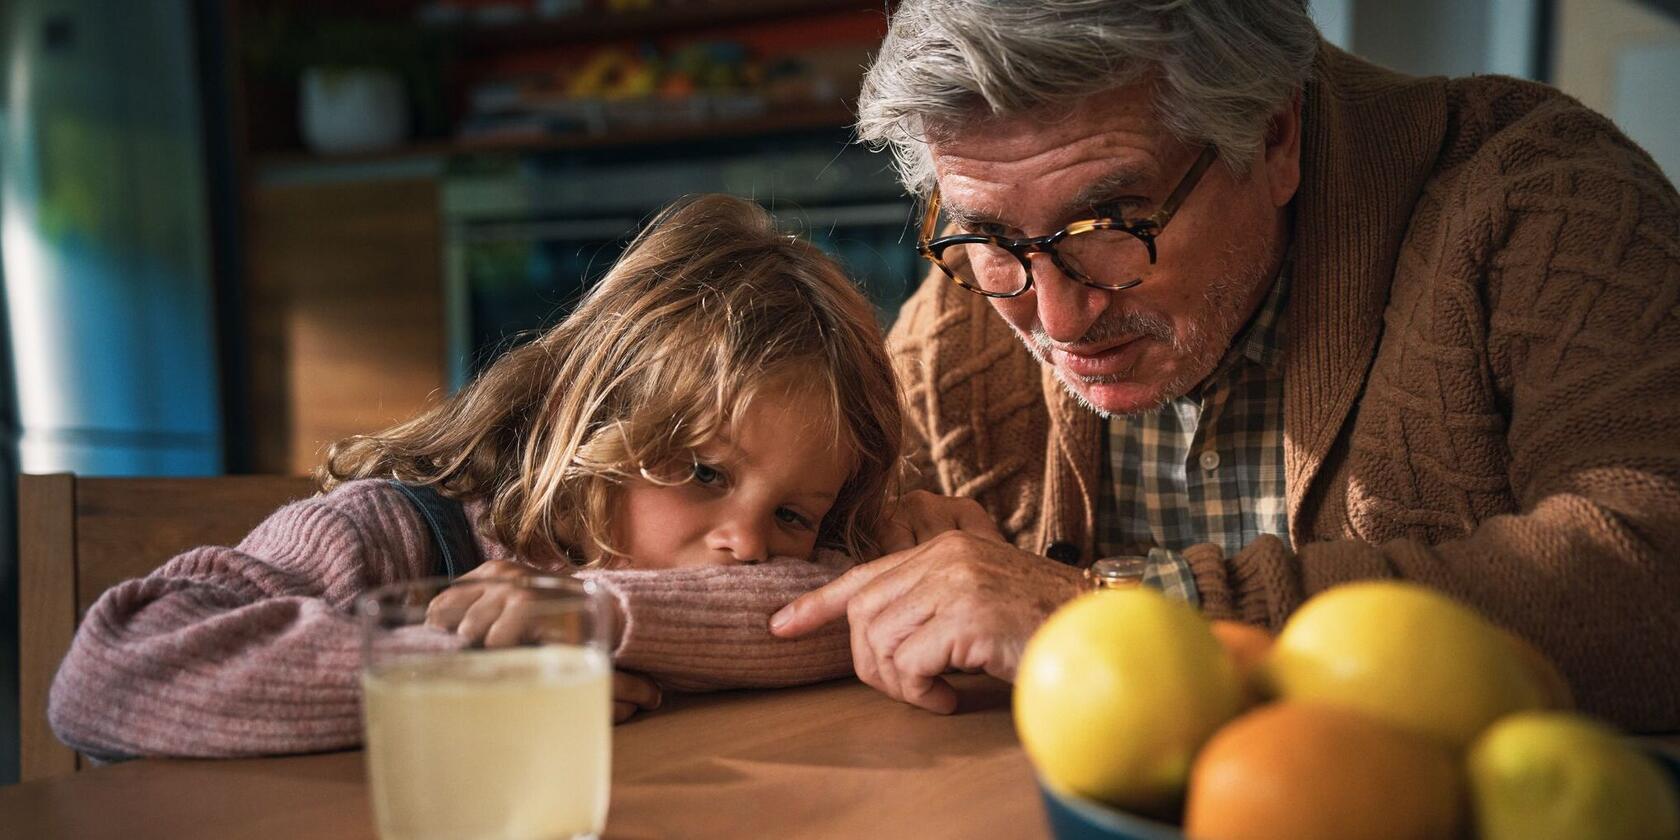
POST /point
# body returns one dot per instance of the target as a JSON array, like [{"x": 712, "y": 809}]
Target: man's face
[{"x": 1128, "y": 351}]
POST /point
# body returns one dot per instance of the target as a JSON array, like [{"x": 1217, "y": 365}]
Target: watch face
[{"x": 1116, "y": 572}]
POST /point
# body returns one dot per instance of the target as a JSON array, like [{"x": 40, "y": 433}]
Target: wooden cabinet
[{"x": 345, "y": 312}]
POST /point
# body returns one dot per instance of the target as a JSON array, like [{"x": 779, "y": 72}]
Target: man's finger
[
  {"x": 864, "y": 663},
  {"x": 895, "y": 536},
  {"x": 887, "y": 628},
  {"x": 975, "y": 520},
  {"x": 920, "y": 660},
  {"x": 623, "y": 711},
  {"x": 931, "y": 693},
  {"x": 828, "y": 602}
]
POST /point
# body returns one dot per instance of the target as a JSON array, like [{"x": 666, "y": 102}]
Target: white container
[{"x": 352, "y": 109}]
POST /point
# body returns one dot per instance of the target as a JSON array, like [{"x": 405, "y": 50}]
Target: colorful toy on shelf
[{"x": 613, "y": 73}]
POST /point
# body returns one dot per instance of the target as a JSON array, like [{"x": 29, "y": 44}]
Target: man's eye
[
  {"x": 707, "y": 475},
  {"x": 789, "y": 516},
  {"x": 1118, "y": 210}
]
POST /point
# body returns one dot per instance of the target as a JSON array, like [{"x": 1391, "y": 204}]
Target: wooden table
[{"x": 832, "y": 760}]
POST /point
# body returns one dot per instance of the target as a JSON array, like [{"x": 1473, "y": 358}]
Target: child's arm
[
  {"x": 705, "y": 629},
  {"x": 239, "y": 651}
]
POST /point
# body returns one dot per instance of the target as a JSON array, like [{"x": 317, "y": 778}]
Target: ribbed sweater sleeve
[
  {"x": 253, "y": 650},
  {"x": 708, "y": 628},
  {"x": 249, "y": 650}
]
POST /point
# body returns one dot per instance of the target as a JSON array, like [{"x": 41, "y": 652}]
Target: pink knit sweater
[{"x": 253, "y": 650}]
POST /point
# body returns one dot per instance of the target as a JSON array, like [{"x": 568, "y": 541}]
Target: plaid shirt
[{"x": 1207, "y": 466}]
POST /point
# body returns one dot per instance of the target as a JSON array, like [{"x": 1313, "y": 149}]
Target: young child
[{"x": 710, "y": 433}]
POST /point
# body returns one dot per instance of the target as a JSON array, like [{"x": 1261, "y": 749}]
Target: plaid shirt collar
[{"x": 1261, "y": 340}]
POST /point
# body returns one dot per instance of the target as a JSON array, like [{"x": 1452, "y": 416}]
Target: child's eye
[
  {"x": 707, "y": 475},
  {"x": 789, "y": 516}
]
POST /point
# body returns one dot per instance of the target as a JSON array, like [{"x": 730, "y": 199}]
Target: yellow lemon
[
  {"x": 1559, "y": 776},
  {"x": 1406, "y": 655},
  {"x": 1116, "y": 692},
  {"x": 1558, "y": 695}
]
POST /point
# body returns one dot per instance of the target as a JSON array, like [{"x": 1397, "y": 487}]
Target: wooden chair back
[{"x": 78, "y": 537}]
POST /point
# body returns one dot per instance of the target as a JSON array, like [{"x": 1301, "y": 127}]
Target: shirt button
[
  {"x": 1209, "y": 461},
  {"x": 1063, "y": 552}
]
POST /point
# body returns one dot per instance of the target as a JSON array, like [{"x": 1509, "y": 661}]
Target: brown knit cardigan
[{"x": 1482, "y": 381}]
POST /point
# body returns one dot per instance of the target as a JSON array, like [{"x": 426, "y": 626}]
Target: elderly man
[{"x": 1208, "y": 288}]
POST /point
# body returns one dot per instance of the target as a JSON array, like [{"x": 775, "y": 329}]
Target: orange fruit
[
  {"x": 1246, "y": 645},
  {"x": 1553, "y": 686},
  {"x": 1306, "y": 771}
]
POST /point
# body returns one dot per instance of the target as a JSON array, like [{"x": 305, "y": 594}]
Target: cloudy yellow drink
[{"x": 512, "y": 743}]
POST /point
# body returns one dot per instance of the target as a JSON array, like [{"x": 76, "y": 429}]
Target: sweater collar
[{"x": 1369, "y": 142}]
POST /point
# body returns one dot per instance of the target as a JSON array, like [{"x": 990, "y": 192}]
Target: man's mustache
[{"x": 1110, "y": 327}]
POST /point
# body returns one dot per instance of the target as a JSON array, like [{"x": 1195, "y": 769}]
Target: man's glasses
[{"x": 1096, "y": 252}]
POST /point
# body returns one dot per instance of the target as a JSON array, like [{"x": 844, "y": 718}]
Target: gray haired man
[{"x": 1209, "y": 288}]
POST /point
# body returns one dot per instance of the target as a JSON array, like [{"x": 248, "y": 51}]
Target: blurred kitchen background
[{"x": 235, "y": 231}]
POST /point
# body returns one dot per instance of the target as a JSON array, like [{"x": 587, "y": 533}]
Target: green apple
[{"x": 1546, "y": 775}]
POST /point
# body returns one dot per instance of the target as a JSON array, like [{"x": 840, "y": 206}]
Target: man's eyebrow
[
  {"x": 965, "y": 217},
  {"x": 1093, "y": 194},
  {"x": 1106, "y": 187}
]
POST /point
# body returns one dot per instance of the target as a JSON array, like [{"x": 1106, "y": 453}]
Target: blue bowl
[{"x": 1076, "y": 818}]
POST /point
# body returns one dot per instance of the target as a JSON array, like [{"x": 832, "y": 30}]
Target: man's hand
[
  {"x": 958, "y": 601},
  {"x": 920, "y": 516}
]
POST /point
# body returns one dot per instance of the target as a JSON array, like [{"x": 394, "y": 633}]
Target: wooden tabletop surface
[{"x": 832, "y": 760}]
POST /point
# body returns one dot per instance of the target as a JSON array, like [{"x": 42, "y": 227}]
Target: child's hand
[
  {"x": 494, "y": 615},
  {"x": 490, "y": 614},
  {"x": 632, "y": 693}
]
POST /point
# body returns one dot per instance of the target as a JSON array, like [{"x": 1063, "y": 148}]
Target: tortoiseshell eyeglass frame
[{"x": 1145, "y": 230}]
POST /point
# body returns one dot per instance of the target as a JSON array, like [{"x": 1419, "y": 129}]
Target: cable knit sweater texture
[
  {"x": 1482, "y": 382},
  {"x": 253, "y": 650}
]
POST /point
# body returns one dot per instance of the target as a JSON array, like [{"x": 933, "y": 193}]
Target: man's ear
[{"x": 1281, "y": 159}]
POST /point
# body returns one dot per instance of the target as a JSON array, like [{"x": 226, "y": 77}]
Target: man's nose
[{"x": 1066, "y": 307}]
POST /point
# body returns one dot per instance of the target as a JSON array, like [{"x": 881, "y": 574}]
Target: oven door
[{"x": 506, "y": 281}]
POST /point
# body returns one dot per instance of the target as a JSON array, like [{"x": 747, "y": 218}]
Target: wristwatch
[{"x": 1122, "y": 572}]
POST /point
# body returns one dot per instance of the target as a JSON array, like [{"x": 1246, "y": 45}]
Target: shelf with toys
[
  {"x": 569, "y": 21},
  {"x": 541, "y": 75},
  {"x": 760, "y": 75}
]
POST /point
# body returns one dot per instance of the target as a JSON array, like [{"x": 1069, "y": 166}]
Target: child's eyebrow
[{"x": 720, "y": 449}]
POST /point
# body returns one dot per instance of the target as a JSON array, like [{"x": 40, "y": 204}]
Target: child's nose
[{"x": 744, "y": 540}]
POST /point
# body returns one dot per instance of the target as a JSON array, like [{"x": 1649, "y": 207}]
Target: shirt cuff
[{"x": 1170, "y": 573}]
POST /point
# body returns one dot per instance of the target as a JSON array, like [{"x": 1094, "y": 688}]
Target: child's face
[{"x": 762, "y": 493}]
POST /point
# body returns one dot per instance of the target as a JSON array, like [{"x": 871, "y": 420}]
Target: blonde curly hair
[{"x": 709, "y": 306}]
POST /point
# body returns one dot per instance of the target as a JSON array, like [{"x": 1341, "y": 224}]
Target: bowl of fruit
[{"x": 1380, "y": 710}]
